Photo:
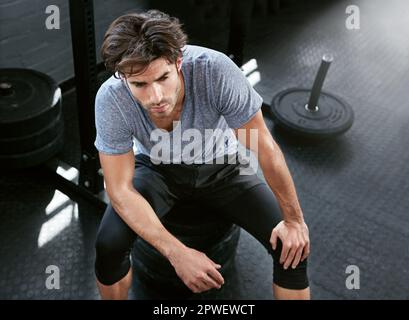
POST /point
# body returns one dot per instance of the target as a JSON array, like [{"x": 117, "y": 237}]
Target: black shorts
[{"x": 245, "y": 200}]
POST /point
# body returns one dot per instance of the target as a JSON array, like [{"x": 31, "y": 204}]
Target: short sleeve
[
  {"x": 113, "y": 135},
  {"x": 233, "y": 95}
]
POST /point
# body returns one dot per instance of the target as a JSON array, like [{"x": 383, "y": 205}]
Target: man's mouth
[{"x": 161, "y": 108}]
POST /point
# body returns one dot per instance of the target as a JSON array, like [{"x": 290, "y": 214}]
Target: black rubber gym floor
[{"x": 353, "y": 189}]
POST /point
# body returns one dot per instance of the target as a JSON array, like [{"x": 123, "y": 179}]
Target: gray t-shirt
[{"x": 218, "y": 98}]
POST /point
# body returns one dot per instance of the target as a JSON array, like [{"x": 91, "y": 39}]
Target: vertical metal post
[
  {"x": 240, "y": 18},
  {"x": 86, "y": 80},
  {"x": 318, "y": 82}
]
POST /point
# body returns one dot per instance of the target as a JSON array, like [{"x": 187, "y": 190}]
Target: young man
[{"x": 164, "y": 93}]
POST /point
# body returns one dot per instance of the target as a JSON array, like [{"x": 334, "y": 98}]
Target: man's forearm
[
  {"x": 140, "y": 217},
  {"x": 279, "y": 179}
]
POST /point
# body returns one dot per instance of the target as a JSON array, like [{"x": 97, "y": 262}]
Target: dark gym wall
[
  {"x": 26, "y": 43},
  {"x": 206, "y": 22}
]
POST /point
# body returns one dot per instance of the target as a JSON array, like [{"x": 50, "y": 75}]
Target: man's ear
[
  {"x": 123, "y": 79},
  {"x": 179, "y": 64}
]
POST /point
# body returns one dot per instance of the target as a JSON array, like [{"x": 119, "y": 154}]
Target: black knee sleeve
[
  {"x": 296, "y": 279},
  {"x": 111, "y": 264}
]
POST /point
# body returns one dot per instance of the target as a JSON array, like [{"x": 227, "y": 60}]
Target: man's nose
[{"x": 155, "y": 94}]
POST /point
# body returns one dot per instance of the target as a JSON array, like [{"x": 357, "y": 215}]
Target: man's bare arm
[
  {"x": 273, "y": 165},
  {"x": 292, "y": 231},
  {"x": 192, "y": 266},
  {"x": 132, "y": 207}
]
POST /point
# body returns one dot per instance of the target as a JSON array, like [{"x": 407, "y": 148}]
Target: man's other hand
[
  {"x": 295, "y": 239},
  {"x": 196, "y": 270}
]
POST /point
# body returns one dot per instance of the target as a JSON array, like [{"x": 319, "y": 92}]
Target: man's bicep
[{"x": 255, "y": 136}]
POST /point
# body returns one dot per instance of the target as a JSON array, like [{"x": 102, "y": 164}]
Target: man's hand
[
  {"x": 196, "y": 270},
  {"x": 295, "y": 239}
]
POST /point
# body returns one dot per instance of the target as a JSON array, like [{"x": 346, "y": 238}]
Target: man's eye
[
  {"x": 138, "y": 85},
  {"x": 163, "y": 78}
]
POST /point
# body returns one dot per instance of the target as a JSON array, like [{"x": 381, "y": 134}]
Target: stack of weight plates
[
  {"x": 31, "y": 123},
  {"x": 197, "y": 227}
]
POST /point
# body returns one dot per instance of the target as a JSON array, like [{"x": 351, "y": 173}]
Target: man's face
[{"x": 158, "y": 88}]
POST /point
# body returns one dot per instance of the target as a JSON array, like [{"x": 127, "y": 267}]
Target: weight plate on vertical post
[{"x": 332, "y": 116}]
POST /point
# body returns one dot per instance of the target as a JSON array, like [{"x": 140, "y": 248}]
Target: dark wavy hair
[{"x": 134, "y": 40}]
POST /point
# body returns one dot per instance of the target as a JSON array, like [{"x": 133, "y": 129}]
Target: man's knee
[
  {"x": 106, "y": 244},
  {"x": 112, "y": 258},
  {"x": 289, "y": 278}
]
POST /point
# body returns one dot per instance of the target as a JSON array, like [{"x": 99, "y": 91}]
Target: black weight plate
[
  {"x": 33, "y": 141},
  {"x": 170, "y": 282},
  {"x": 33, "y": 158},
  {"x": 334, "y": 116},
  {"x": 34, "y": 102}
]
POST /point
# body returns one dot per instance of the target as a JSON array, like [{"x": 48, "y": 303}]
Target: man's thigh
[
  {"x": 149, "y": 180},
  {"x": 255, "y": 209}
]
